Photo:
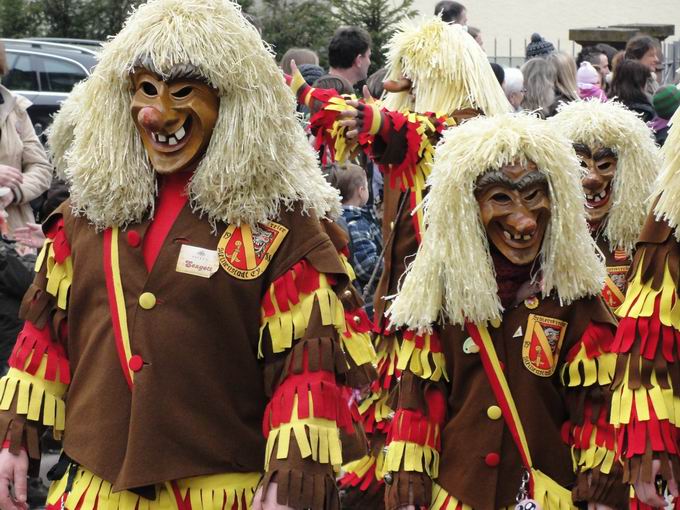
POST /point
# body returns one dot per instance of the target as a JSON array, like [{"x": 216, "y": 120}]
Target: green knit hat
[{"x": 666, "y": 101}]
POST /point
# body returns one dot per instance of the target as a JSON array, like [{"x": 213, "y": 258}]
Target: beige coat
[{"x": 20, "y": 148}]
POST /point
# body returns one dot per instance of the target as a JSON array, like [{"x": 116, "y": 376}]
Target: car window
[
  {"x": 21, "y": 74},
  {"x": 59, "y": 75}
]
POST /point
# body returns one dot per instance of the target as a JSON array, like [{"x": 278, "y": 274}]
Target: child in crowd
[
  {"x": 364, "y": 233},
  {"x": 665, "y": 102},
  {"x": 589, "y": 82}
]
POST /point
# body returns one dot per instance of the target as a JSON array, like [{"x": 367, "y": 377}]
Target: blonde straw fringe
[
  {"x": 452, "y": 277},
  {"x": 258, "y": 160},
  {"x": 449, "y": 70},
  {"x": 668, "y": 185},
  {"x": 611, "y": 125}
]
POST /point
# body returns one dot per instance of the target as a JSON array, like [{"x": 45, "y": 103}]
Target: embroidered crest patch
[
  {"x": 245, "y": 253},
  {"x": 542, "y": 342},
  {"x": 614, "y": 291}
]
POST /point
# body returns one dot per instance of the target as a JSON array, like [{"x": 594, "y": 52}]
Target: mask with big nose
[
  {"x": 515, "y": 209},
  {"x": 600, "y": 166},
  {"x": 175, "y": 119}
]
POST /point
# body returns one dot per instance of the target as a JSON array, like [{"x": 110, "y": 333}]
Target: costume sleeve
[
  {"x": 646, "y": 404},
  {"x": 587, "y": 375},
  {"x": 414, "y": 436},
  {"x": 31, "y": 394},
  {"x": 310, "y": 345},
  {"x": 37, "y": 170}
]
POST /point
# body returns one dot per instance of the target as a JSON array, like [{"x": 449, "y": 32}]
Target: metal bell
[
  {"x": 527, "y": 504},
  {"x": 388, "y": 478}
]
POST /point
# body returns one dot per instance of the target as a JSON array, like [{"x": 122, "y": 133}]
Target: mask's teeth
[
  {"x": 180, "y": 133},
  {"x": 507, "y": 234},
  {"x": 526, "y": 237},
  {"x": 162, "y": 138},
  {"x": 172, "y": 140}
]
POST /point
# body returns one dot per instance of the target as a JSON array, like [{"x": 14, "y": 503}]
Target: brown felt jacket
[
  {"x": 197, "y": 404},
  {"x": 470, "y": 433}
]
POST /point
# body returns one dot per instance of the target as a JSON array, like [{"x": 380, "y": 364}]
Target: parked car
[{"x": 45, "y": 72}]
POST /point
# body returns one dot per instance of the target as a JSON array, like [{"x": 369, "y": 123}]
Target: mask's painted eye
[
  {"x": 584, "y": 164},
  {"x": 531, "y": 195},
  {"x": 149, "y": 89},
  {"x": 501, "y": 198},
  {"x": 604, "y": 166},
  {"x": 183, "y": 92}
]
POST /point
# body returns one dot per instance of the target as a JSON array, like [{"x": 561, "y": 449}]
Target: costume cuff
[
  {"x": 594, "y": 486},
  {"x": 407, "y": 488}
]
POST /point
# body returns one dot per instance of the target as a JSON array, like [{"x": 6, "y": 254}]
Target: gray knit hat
[{"x": 539, "y": 47}]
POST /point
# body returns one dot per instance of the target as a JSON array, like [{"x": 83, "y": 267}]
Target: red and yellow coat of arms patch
[
  {"x": 614, "y": 291},
  {"x": 542, "y": 342},
  {"x": 245, "y": 252}
]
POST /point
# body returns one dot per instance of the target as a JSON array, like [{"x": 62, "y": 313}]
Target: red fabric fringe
[
  {"x": 414, "y": 427},
  {"x": 636, "y": 437},
  {"x": 329, "y": 401},
  {"x": 321, "y": 123},
  {"x": 597, "y": 338},
  {"x": 435, "y": 343},
  {"x": 34, "y": 343},
  {"x": 579, "y": 435},
  {"x": 364, "y": 326},
  {"x": 651, "y": 333},
  {"x": 302, "y": 278},
  {"x": 56, "y": 232}
]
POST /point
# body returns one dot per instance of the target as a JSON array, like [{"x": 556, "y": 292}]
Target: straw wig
[
  {"x": 668, "y": 184},
  {"x": 452, "y": 277},
  {"x": 449, "y": 70},
  {"x": 611, "y": 125},
  {"x": 258, "y": 159}
]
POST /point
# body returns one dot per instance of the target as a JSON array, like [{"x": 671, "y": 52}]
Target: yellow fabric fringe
[
  {"x": 440, "y": 498},
  {"x": 213, "y": 492},
  {"x": 317, "y": 438},
  {"x": 37, "y": 399},
  {"x": 665, "y": 404},
  {"x": 359, "y": 347},
  {"x": 366, "y": 463},
  {"x": 594, "y": 457},
  {"x": 641, "y": 297},
  {"x": 343, "y": 147},
  {"x": 599, "y": 370},
  {"x": 285, "y": 327},
  {"x": 59, "y": 276},
  {"x": 417, "y": 360},
  {"x": 407, "y": 456}
]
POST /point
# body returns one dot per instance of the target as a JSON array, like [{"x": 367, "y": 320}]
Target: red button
[
  {"x": 133, "y": 239},
  {"x": 136, "y": 363},
  {"x": 492, "y": 459}
]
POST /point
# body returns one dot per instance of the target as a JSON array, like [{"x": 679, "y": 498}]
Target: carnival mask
[
  {"x": 515, "y": 208},
  {"x": 600, "y": 167},
  {"x": 175, "y": 119}
]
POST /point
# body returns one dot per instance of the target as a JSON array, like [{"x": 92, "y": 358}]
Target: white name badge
[{"x": 197, "y": 261}]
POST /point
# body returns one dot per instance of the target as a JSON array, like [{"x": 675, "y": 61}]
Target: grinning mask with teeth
[
  {"x": 175, "y": 118},
  {"x": 600, "y": 166},
  {"x": 515, "y": 208}
]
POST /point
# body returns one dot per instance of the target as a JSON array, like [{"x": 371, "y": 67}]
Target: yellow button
[
  {"x": 494, "y": 413},
  {"x": 147, "y": 300}
]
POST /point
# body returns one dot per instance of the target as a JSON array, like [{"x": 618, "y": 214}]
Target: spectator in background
[
  {"x": 628, "y": 87},
  {"x": 301, "y": 56},
  {"x": 24, "y": 167},
  {"x": 589, "y": 82},
  {"x": 513, "y": 86},
  {"x": 665, "y": 102},
  {"x": 451, "y": 12},
  {"x": 566, "y": 89},
  {"x": 365, "y": 240},
  {"x": 539, "y": 84},
  {"x": 476, "y": 34},
  {"x": 375, "y": 82},
  {"x": 499, "y": 72},
  {"x": 349, "y": 56},
  {"x": 539, "y": 47},
  {"x": 645, "y": 50},
  {"x": 597, "y": 58}
]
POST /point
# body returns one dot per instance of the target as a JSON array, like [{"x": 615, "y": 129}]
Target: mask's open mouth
[
  {"x": 173, "y": 141},
  {"x": 594, "y": 201}
]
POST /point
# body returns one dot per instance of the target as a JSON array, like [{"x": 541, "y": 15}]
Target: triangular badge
[{"x": 518, "y": 333}]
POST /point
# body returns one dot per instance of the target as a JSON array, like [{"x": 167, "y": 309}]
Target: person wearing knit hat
[
  {"x": 538, "y": 47},
  {"x": 157, "y": 337},
  {"x": 665, "y": 102},
  {"x": 588, "y": 82},
  {"x": 438, "y": 76},
  {"x": 506, "y": 283},
  {"x": 646, "y": 390},
  {"x": 311, "y": 72},
  {"x": 619, "y": 164}
]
